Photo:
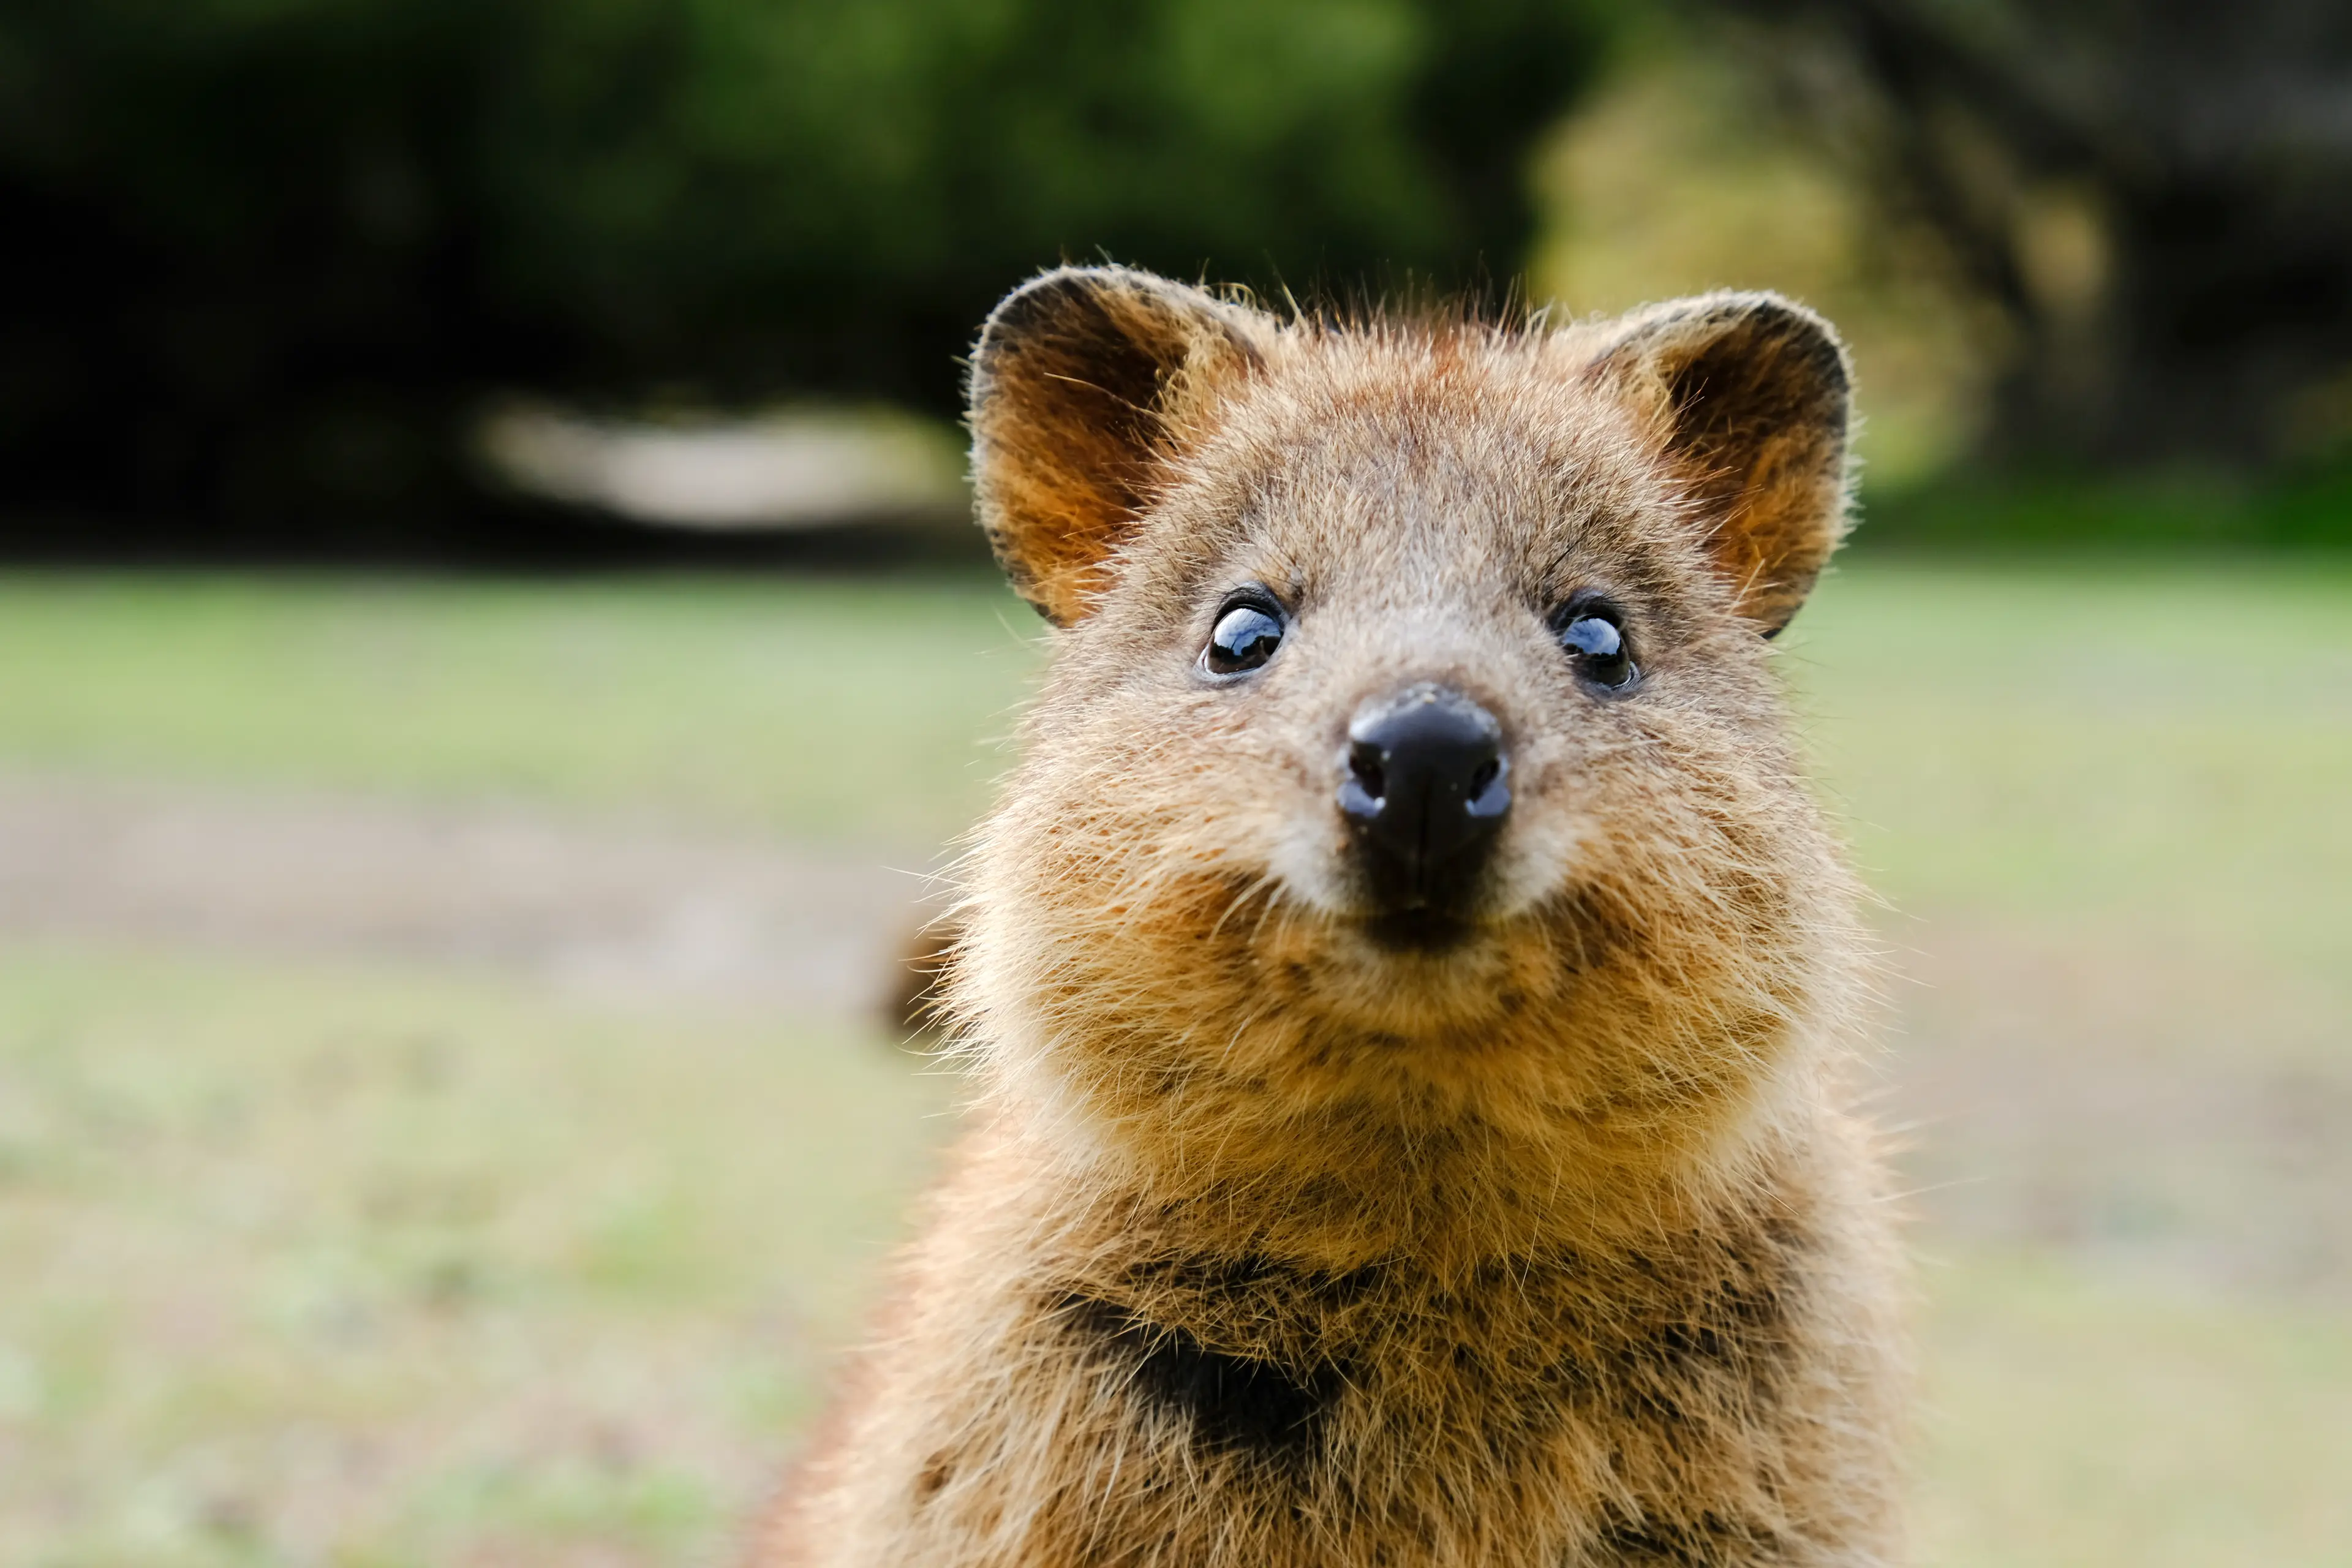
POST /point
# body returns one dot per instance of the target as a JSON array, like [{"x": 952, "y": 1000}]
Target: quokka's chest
[
  {"x": 1519, "y": 1362},
  {"x": 1092, "y": 1395},
  {"x": 1567, "y": 1412}
]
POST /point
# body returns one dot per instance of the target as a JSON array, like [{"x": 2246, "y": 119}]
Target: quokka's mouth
[{"x": 1419, "y": 929}]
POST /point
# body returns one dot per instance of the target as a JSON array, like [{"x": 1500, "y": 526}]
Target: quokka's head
[{"x": 1409, "y": 747}]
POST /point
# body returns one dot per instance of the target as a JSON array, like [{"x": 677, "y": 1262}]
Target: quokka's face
[{"x": 1413, "y": 687}]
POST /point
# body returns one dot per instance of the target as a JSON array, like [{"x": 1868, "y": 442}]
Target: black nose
[{"x": 1424, "y": 790}]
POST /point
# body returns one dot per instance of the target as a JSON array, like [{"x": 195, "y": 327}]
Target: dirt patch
[
  {"x": 2142, "y": 1103},
  {"x": 602, "y": 908}
]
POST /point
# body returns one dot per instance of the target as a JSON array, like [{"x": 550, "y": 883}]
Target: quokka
[{"x": 1410, "y": 989}]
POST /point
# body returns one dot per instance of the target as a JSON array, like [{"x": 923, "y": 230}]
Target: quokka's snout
[{"x": 1425, "y": 789}]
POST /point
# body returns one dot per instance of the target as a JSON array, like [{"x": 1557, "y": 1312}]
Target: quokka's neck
[{"x": 1339, "y": 1196}]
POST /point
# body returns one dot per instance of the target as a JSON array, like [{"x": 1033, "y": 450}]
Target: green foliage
[
  {"x": 285, "y": 242},
  {"x": 2202, "y": 510}
]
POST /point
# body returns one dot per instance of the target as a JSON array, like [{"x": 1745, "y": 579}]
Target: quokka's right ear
[
  {"x": 1085, "y": 379},
  {"x": 1750, "y": 396}
]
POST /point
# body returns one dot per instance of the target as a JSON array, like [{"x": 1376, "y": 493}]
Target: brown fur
[{"x": 1274, "y": 1246}]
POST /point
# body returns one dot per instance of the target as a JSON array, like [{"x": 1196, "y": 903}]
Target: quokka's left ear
[
  {"x": 1083, "y": 381},
  {"x": 1750, "y": 396}
]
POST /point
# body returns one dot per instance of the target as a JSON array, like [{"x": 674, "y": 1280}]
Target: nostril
[
  {"x": 1363, "y": 792},
  {"x": 1488, "y": 771}
]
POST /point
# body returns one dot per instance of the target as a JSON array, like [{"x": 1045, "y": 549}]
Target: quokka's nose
[{"x": 1425, "y": 788}]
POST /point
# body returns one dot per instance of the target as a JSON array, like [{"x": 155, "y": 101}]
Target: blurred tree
[
  {"x": 2156, "y": 193},
  {"x": 269, "y": 256},
  {"x": 1681, "y": 173}
]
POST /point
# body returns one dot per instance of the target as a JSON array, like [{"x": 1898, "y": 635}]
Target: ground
[{"x": 443, "y": 1121}]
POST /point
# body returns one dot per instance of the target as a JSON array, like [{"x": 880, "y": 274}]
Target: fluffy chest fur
[{"x": 1136, "y": 1396}]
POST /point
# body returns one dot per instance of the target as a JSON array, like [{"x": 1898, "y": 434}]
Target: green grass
[
  {"x": 2071, "y": 1421},
  {"x": 358, "y": 1264},
  {"x": 816, "y": 706},
  {"x": 368, "y": 1265},
  {"x": 2172, "y": 743}
]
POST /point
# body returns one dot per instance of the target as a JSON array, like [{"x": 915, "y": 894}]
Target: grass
[
  {"x": 360, "y": 1266},
  {"x": 824, "y": 707},
  {"x": 2072, "y": 1421},
  {"x": 2166, "y": 743},
  {"x": 364, "y": 1264}
]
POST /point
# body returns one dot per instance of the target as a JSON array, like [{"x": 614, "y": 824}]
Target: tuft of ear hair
[
  {"x": 1750, "y": 397},
  {"x": 1085, "y": 377}
]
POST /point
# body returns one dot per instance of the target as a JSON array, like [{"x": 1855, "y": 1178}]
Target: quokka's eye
[
  {"x": 1593, "y": 630},
  {"x": 1249, "y": 628}
]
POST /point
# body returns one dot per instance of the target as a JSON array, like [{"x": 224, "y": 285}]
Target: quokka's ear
[
  {"x": 1085, "y": 378},
  {"x": 1750, "y": 395}
]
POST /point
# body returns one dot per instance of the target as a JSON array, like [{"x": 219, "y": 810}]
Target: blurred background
[{"x": 491, "y": 642}]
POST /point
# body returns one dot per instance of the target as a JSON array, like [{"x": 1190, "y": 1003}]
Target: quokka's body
[{"x": 1407, "y": 981}]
